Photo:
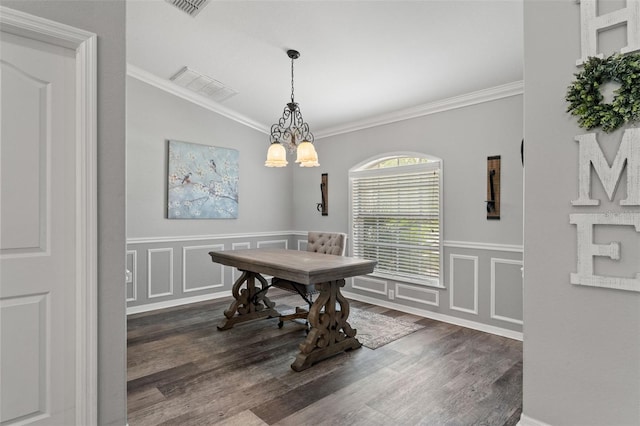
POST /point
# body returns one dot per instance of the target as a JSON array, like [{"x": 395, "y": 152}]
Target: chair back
[{"x": 327, "y": 242}]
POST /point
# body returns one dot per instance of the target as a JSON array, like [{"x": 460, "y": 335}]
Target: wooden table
[{"x": 330, "y": 333}]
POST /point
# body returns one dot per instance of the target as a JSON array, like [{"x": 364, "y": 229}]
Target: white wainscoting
[
  {"x": 201, "y": 260},
  {"x": 370, "y": 285},
  {"x": 471, "y": 283},
  {"x": 132, "y": 266},
  {"x": 423, "y": 295},
  {"x": 280, "y": 244},
  {"x": 514, "y": 283},
  {"x": 166, "y": 278}
]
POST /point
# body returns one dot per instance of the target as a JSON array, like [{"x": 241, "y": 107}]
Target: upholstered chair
[{"x": 334, "y": 243}]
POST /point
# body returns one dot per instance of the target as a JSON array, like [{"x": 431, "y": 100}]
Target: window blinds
[{"x": 396, "y": 220}]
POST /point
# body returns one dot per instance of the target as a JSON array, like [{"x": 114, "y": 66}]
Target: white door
[{"x": 42, "y": 316}]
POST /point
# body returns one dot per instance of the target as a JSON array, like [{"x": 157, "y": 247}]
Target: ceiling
[{"x": 358, "y": 59}]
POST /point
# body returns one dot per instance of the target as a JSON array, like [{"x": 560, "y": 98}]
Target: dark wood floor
[{"x": 183, "y": 371}]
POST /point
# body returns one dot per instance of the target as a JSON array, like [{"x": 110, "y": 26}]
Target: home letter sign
[
  {"x": 591, "y": 154},
  {"x": 592, "y": 23},
  {"x": 587, "y": 249}
]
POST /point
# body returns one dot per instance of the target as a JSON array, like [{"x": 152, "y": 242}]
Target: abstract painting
[{"x": 203, "y": 181}]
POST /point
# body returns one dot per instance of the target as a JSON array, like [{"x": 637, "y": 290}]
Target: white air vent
[
  {"x": 190, "y": 7},
  {"x": 202, "y": 85}
]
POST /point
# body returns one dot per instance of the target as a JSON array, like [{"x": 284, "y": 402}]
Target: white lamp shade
[
  {"x": 307, "y": 155},
  {"x": 276, "y": 156}
]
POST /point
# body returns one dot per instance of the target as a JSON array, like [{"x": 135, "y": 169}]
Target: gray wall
[
  {"x": 169, "y": 258},
  {"x": 463, "y": 138},
  {"x": 581, "y": 345},
  {"x": 153, "y": 117},
  {"x": 107, "y": 20}
]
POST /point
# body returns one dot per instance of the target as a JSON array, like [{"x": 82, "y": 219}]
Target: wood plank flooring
[{"x": 183, "y": 371}]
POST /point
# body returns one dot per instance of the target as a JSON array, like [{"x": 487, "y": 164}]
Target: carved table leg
[
  {"x": 249, "y": 303},
  {"x": 330, "y": 332}
]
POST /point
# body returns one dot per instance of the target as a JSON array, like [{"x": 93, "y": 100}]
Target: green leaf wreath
[{"x": 586, "y": 100}]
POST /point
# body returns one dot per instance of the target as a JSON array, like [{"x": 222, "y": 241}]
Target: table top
[{"x": 294, "y": 265}]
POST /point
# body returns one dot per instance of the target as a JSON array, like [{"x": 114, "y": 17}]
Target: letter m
[{"x": 628, "y": 154}]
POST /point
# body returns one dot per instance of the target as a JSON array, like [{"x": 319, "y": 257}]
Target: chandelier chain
[{"x": 292, "y": 59}]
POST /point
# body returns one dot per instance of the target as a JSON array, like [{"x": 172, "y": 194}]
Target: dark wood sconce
[
  {"x": 493, "y": 187},
  {"x": 323, "y": 207}
]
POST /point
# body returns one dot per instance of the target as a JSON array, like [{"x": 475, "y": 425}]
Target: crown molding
[
  {"x": 473, "y": 98},
  {"x": 169, "y": 87}
]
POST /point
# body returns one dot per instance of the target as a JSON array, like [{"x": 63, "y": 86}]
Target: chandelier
[{"x": 291, "y": 133}]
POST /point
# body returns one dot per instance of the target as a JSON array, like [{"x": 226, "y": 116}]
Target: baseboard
[
  {"x": 528, "y": 421},
  {"x": 176, "y": 302},
  {"x": 386, "y": 304},
  {"x": 499, "y": 331}
]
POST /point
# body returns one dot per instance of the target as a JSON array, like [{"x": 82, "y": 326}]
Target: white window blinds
[{"x": 395, "y": 219}]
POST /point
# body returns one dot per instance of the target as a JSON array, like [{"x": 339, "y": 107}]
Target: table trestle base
[
  {"x": 249, "y": 303},
  {"x": 330, "y": 332}
]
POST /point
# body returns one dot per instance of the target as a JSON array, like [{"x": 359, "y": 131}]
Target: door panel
[{"x": 38, "y": 231}]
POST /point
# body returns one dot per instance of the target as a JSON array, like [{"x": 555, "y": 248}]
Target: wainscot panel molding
[
  {"x": 156, "y": 278},
  {"x": 472, "y": 280},
  {"x": 190, "y": 275},
  {"x": 516, "y": 335},
  {"x": 280, "y": 244},
  {"x": 204, "y": 250},
  {"x": 514, "y": 283},
  {"x": 483, "y": 277},
  {"x": 417, "y": 294},
  {"x": 484, "y": 246},
  {"x": 370, "y": 285},
  {"x": 240, "y": 246},
  {"x": 469, "y": 281},
  {"x": 132, "y": 276}
]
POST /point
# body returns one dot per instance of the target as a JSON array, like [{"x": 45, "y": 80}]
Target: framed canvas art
[{"x": 203, "y": 181}]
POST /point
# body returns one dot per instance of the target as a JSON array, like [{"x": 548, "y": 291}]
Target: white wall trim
[
  {"x": 473, "y": 98},
  {"x": 529, "y": 421},
  {"x": 495, "y": 261},
  {"x": 84, "y": 44},
  {"x": 474, "y": 259},
  {"x": 484, "y": 246},
  {"x": 149, "y": 255},
  {"x": 420, "y": 290},
  {"x": 241, "y": 246},
  {"x": 263, "y": 242},
  {"x": 177, "y": 302},
  {"x": 172, "y": 88},
  {"x": 180, "y": 238},
  {"x": 436, "y": 316},
  {"x": 134, "y": 275},
  {"x": 486, "y": 95},
  {"x": 214, "y": 247},
  {"x": 385, "y": 283}
]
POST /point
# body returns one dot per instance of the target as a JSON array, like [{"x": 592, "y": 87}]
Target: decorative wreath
[{"x": 586, "y": 100}]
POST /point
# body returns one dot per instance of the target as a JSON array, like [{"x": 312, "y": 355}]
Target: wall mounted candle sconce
[
  {"x": 323, "y": 207},
  {"x": 493, "y": 187}
]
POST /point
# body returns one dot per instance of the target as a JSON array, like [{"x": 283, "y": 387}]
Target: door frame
[{"x": 84, "y": 44}]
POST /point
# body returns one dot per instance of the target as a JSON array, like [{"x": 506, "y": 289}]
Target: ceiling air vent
[
  {"x": 190, "y": 7},
  {"x": 202, "y": 85}
]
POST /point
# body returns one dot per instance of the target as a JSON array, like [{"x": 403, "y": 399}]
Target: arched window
[{"x": 396, "y": 216}]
